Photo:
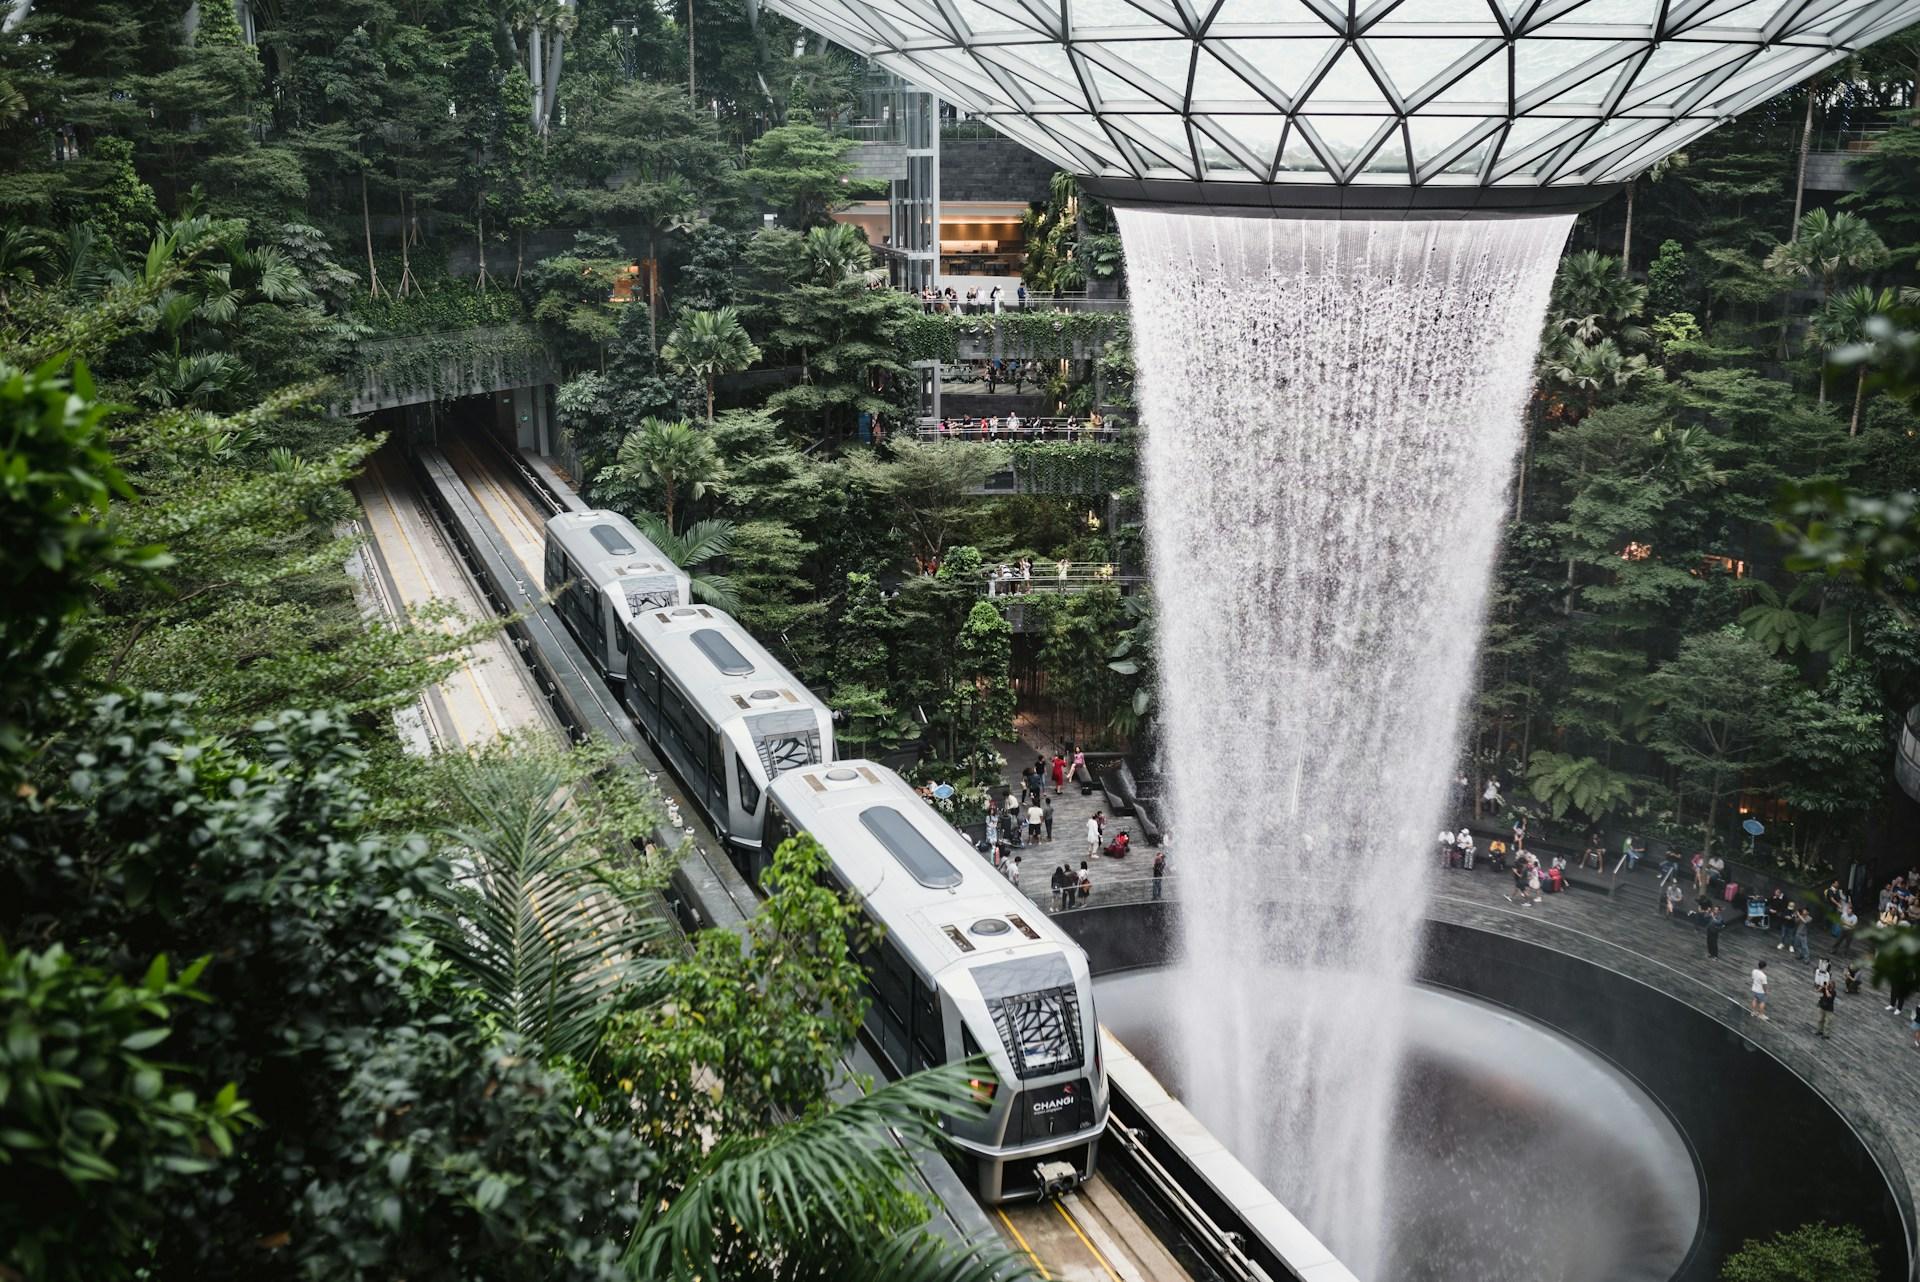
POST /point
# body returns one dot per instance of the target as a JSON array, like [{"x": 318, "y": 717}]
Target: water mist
[{"x": 1332, "y": 411}]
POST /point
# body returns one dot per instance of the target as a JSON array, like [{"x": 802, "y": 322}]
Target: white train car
[
  {"x": 965, "y": 965},
  {"x": 611, "y": 571},
  {"x": 725, "y": 714}
]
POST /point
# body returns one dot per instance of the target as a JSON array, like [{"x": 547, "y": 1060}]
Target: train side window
[
  {"x": 929, "y": 1039},
  {"x": 620, "y": 639},
  {"x": 716, "y": 770},
  {"x": 779, "y": 828},
  {"x": 749, "y": 790},
  {"x": 556, "y": 564}
]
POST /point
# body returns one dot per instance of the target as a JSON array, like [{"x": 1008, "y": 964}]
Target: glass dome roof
[{"x": 1421, "y": 94}]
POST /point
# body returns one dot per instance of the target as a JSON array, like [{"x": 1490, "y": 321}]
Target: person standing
[
  {"x": 1849, "y": 920},
  {"x": 1784, "y": 921},
  {"x": 1046, "y": 817},
  {"x": 1012, "y": 869},
  {"x": 1491, "y": 796},
  {"x": 1035, "y": 817},
  {"x": 1757, "y": 1003},
  {"x": 1802, "y": 919},
  {"x": 1826, "y": 1003},
  {"x": 1714, "y": 926},
  {"x": 1159, "y": 870},
  {"x": 1093, "y": 834},
  {"x": 1059, "y": 774},
  {"x": 1086, "y": 882},
  {"x": 1053, "y": 883}
]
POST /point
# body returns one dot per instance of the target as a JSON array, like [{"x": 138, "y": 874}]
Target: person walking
[
  {"x": 1714, "y": 926},
  {"x": 1046, "y": 816},
  {"x": 1086, "y": 882},
  {"x": 1093, "y": 834},
  {"x": 1826, "y": 1004},
  {"x": 1053, "y": 883},
  {"x": 1012, "y": 869},
  {"x": 1159, "y": 870},
  {"x": 1757, "y": 1004}
]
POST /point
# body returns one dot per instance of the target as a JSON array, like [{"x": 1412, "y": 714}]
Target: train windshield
[{"x": 1036, "y": 1011}]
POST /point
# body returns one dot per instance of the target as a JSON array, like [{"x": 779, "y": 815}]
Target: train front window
[
  {"x": 749, "y": 790},
  {"x": 1036, "y": 1011}
]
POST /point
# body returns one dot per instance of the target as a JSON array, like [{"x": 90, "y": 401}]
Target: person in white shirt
[
  {"x": 1012, "y": 869},
  {"x": 1758, "y": 1004},
  {"x": 1465, "y": 841},
  {"x": 1093, "y": 836},
  {"x": 1035, "y": 816},
  {"x": 1447, "y": 849}
]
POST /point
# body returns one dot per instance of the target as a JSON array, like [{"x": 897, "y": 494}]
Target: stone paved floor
[{"x": 1129, "y": 878}]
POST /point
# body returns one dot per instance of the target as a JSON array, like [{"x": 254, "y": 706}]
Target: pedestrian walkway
[{"x": 1114, "y": 880}]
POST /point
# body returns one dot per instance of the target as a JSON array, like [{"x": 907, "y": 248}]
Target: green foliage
[
  {"x": 1810, "y": 1253},
  {"x": 57, "y": 477},
  {"x": 547, "y": 947},
  {"x": 1721, "y": 713},
  {"x": 980, "y": 703},
  {"x": 802, "y": 173},
  {"x": 709, "y": 344},
  {"x": 1562, "y": 783},
  {"x": 694, "y": 548},
  {"x": 929, "y": 488},
  {"x": 1034, "y": 335},
  {"x": 670, "y": 461},
  {"x": 96, "y": 1136},
  {"x": 1670, "y": 279}
]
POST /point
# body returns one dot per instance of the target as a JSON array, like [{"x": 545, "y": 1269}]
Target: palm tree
[
  {"x": 548, "y": 946},
  {"x": 675, "y": 458},
  {"x": 1826, "y": 245},
  {"x": 1843, "y": 323},
  {"x": 1592, "y": 299},
  {"x": 697, "y": 545},
  {"x": 835, "y": 252},
  {"x": 709, "y": 344}
]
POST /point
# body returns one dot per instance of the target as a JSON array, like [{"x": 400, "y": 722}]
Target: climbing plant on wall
[{"x": 1028, "y": 335}]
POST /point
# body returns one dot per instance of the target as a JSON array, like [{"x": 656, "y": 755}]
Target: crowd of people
[
  {"x": 1063, "y": 427},
  {"x": 1701, "y": 889}
]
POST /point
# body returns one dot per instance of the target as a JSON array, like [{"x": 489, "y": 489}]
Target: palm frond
[
  {"x": 806, "y": 1179},
  {"x": 919, "y": 1256},
  {"x": 716, "y": 590},
  {"x": 548, "y": 946}
]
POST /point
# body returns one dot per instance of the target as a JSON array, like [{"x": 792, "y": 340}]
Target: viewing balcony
[{"x": 1064, "y": 430}]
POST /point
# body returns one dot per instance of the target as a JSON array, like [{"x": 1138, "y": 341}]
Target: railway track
[{"x": 482, "y": 519}]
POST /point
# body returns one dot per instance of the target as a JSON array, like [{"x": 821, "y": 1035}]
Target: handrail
[
  {"x": 1036, "y": 429},
  {"x": 1034, "y": 303}
]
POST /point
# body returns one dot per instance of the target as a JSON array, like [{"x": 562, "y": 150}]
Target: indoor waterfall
[{"x": 1332, "y": 410}]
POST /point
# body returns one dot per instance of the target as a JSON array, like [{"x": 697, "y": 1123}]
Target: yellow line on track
[
  {"x": 1023, "y": 1244},
  {"x": 1075, "y": 1226}
]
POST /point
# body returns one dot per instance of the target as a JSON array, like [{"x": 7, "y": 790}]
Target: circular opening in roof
[
  {"x": 989, "y": 926},
  {"x": 685, "y": 609},
  {"x": 764, "y": 694},
  {"x": 841, "y": 775}
]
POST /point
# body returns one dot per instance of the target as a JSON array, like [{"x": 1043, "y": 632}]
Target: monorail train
[
  {"x": 966, "y": 965},
  {"x": 610, "y": 572},
  {"x": 726, "y": 715}
]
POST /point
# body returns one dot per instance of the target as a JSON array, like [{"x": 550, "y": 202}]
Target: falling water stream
[{"x": 1332, "y": 412}]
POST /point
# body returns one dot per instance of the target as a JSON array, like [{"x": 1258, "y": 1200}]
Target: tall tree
[{"x": 709, "y": 344}]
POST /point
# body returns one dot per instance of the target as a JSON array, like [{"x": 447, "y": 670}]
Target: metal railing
[
  {"x": 1060, "y": 576},
  {"x": 1071, "y": 430},
  {"x": 1033, "y": 303},
  {"x": 1849, "y": 141}
]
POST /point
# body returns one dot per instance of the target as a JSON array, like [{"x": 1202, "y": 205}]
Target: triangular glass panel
[
  {"x": 1537, "y": 63},
  {"x": 1298, "y": 157},
  {"x": 1469, "y": 161},
  {"x": 1256, "y": 136},
  {"x": 1041, "y": 16},
  {"x": 1615, "y": 13},
  {"x": 1752, "y": 16},
  {"x": 1103, "y": 15},
  {"x": 1486, "y": 83},
  {"x": 1046, "y": 65},
  {"x": 1163, "y": 62},
  {"x": 1040, "y": 141},
  {"x": 911, "y": 22},
  {"x": 1390, "y": 157},
  {"x": 1349, "y": 84},
  {"x": 1588, "y": 93},
  {"x": 1524, "y": 134},
  {"x": 1818, "y": 17},
  {"x": 1432, "y": 135},
  {"x": 1114, "y": 89},
  {"x": 1262, "y": 13},
  {"x": 1767, "y": 72},
  {"x": 1684, "y": 65},
  {"x": 1411, "y": 16},
  {"x": 1215, "y": 82},
  {"x": 1410, "y": 64},
  {"x": 1343, "y": 138},
  {"x": 984, "y": 21},
  {"x": 1165, "y": 136},
  {"x": 1286, "y": 64}
]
